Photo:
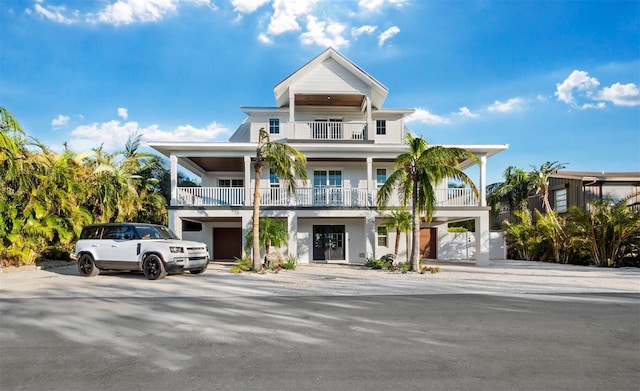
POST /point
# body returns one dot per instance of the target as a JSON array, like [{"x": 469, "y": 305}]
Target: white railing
[
  {"x": 328, "y": 130},
  {"x": 311, "y": 197},
  {"x": 210, "y": 196},
  {"x": 456, "y": 197}
]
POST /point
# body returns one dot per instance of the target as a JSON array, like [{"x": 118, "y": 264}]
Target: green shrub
[
  {"x": 290, "y": 263},
  {"x": 377, "y": 263},
  {"x": 236, "y": 269},
  {"x": 430, "y": 269},
  {"x": 244, "y": 263}
]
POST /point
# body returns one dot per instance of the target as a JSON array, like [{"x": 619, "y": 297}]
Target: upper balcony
[{"x": 316, "y": 197}]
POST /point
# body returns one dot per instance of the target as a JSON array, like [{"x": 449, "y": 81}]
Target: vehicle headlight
[{"x": 176, "y": 249}]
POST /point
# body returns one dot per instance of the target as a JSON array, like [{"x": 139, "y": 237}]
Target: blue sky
[{"x": 556, "y": 80}]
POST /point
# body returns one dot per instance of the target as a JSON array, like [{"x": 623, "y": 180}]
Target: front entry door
[{"x": 329, "y": 243}]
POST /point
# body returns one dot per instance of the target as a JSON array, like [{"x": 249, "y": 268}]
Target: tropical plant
[
  {"x": 273, "y": 232},
  {"x": 559, "y": 232},
  {"x": 400, "y": 220},
  {"x": 523, "y": 236},
  {"x": 512, "y": 192},
  {"x": 607, "y": 228},
  {"x": 540, "y": 180},
  {"x": 284, "y": 161},
  {"x": 416, "y": 173}
]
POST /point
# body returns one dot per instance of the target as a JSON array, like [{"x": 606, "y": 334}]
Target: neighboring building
[
  {"x": 330, "y": 110},
  {"x": 579, "y": 188}
]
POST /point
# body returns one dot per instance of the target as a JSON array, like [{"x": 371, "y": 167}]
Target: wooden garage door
[
  {"x": 428, "y": 243},
  {"x": 227, "y": 244}
]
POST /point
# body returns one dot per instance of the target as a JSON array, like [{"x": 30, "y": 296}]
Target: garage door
[
  {"x": 428, "y": 242},
  {"x": 227, "y": 244}
]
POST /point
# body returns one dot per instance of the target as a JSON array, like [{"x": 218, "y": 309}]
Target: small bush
[
  {"x": 377, "y": 263},
  {"x": 236, "y": 269},
  {"x": 244, "y": 263},
  {"x": 430, "y": 269},
  {"x": 403, "y": 267},
  {"x": 290, "y": 263}
]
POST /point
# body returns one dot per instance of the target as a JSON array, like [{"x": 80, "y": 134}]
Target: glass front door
[{"x": 329, "y": 243}]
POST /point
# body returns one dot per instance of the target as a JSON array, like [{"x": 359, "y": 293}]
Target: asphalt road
[{"x": 421, "y": 342}]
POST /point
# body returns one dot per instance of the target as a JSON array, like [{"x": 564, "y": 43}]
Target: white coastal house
[{"x": 332, "y": 111}]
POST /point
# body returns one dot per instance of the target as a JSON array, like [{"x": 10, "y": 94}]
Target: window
[
  {"x": 231, "y": 182},
  {"x": 381, "y": 176},
  {"x": 274, "y": 125},
  {"x": 561, "y": 201},
  {"x": 273, "y": 179},
  {"x": 381, "y": 126},
  {"x": 382, "y": 236}
]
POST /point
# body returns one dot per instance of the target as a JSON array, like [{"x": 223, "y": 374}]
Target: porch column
[
  {"x": 175, "y": 223},
  {"x": 174, "y": 179},
  {"x": 247, "y": 218},
  {"x": 370, "y": 235},
  {"x": 247, "y": 181},
  {"x": 370, "y": 193},
  {"x": 292, "y": 106},
  {"x": 482, "y": 239},
  {"x": 483, "y": 180},
  {"x": 292, "y": 224}
]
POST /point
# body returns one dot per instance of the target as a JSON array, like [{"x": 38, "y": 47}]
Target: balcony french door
[{"x": 327, "y": 187}]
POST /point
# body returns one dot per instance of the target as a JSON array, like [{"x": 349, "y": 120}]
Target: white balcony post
[
  {"x": 370, "y": 235},
  {"x": 292, "y": 223},
  {"x": 292, "y": 106},
  {"x": 174, "y": 180},
  {"x": 370, "y": 185},
  {"x": 483, "y": 180},
  {"x": 247, "y": 180},
  {"x": 370, "y": 124}
]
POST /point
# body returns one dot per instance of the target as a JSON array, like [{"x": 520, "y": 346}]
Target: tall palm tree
[
  {"x": 513, "y": 192},
  {"x": 400, "y": 220},
  {"x": 416, "y": 173},
  {"x": 288, "y": 164},
  {"x": 540, "y": 180}
]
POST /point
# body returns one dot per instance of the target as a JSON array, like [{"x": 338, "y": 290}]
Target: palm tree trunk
[
  {"x": 397, "y": 242},
  {"x": 415, "y": 249},
  {"x": 256, "y": 261}
]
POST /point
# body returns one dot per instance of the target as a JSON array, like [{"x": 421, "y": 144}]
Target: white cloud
[
  {"x": 577, "y": 79},
  {"x": 286, "y": 14},
  {"x": 326, "y": 34},
  {"x": 513, "y": 104},
  {"x": 248, "y": 6},
  {"x": 387, "y": 34},
  {"x": 465, "y": 112},
  {"x": 60, "y": 120},
  {"x": 111, "y": 134},
  {"x": 54, "y": 13},
  {"x": 620, "y": 94},
  {"x": 366, "y": 29},
  {"x": 425, "y": 117},
  {"x": 123, "y": 112},
  {"x": 130, "y": 11},
  {"x": 264, "y": 38},
  {"x": 378, "y": 5},
  {"x": 587, "y": 87}
]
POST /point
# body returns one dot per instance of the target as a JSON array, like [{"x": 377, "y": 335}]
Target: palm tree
[
  {"x": 416, "y": 173},
  {"x": 513, "y": 192},
  {"x": 287, "y": 163},
  {"x": 540, "y": 180},
  {"x": 273, "y": 232},
  {"x": 400, "y": 220}
]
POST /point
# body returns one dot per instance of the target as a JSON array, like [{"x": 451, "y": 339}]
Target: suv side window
[
  {"x": 116, "y": 232},
  {"x": 91, "y": 232}
]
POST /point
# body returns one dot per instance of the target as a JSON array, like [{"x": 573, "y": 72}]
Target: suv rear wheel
[
  {"x": 153, "y": 267},
  {"x": 87, "y": 266}
]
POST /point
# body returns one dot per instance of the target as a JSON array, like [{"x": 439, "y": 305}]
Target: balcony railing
[
  {"x": 338, "y": 197},
  {"x": 330, "y": 130}
]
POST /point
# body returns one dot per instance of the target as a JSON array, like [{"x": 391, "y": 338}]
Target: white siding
[{"x": 331, "y": 77}]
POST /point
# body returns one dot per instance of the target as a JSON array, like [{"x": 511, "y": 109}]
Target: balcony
[
  {"x": 319, "y": 197},
  {"x": 328, "y": 130}
]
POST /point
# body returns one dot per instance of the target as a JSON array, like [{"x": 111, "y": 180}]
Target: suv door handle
[
  {"x": 114, "y": 245},
  {"x": 95, "y": 245}
]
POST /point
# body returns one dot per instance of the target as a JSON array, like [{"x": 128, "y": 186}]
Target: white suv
[{"x": 152, "y": 249}]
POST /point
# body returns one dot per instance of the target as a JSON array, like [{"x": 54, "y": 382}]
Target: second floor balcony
[{"x": 315, "y": 197}]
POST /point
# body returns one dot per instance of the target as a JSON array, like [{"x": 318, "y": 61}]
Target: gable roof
[{"x": 378, "y": 90}]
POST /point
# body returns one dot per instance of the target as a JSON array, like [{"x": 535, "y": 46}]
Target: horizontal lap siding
[{"x": 331, "y": 77}]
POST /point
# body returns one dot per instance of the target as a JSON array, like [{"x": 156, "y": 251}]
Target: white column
[
  {"x": 247, "y": 181},
  {"x": 175, "y": 223},
  {"x": 292, "y": 224},
  {"x": 370, "y": 187},
  {"x": 292, "y": 107},
  {"x": 247, "y": 217},
  {"x": 483, "y": 180},
  {"x": 482, "y": 239},
  {"x": 371, "y": 127},
  {"x": 174, "y": 180},
  {"x": 370, "y": 235}
]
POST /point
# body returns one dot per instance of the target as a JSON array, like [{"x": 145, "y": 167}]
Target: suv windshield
[{"x": 155, "y": 232}]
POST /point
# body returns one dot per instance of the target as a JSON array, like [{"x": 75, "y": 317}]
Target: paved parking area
[{"x": 501, "y": 277}]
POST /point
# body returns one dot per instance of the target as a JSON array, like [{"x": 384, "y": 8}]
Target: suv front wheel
[
  {"x": 87, "y": 266},
  {"x": 154, "y": 268}
]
